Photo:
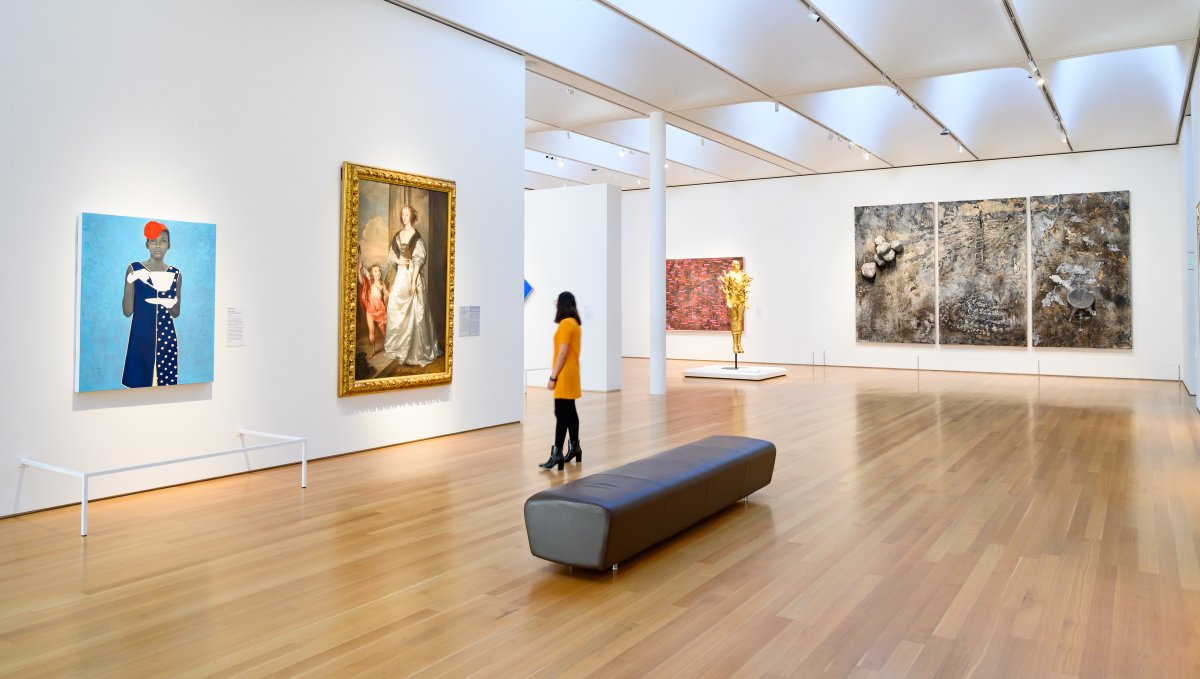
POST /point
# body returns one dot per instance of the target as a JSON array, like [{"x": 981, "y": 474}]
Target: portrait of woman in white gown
[
  {"x": 397, "y": 331},
  {"x": 410, "y": 338}
]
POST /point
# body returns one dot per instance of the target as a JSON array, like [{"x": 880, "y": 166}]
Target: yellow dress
[{"x": 568, "y": 333}]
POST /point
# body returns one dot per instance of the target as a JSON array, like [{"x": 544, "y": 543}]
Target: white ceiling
[{"x": 756, "y": 88}]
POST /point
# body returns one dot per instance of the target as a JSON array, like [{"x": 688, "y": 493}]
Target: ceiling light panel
[
  {"x": 735, "y": 34},
  {"x": 712, "y": 157},
  {"x": 599, "y": 44},
  {"x": 785, "y": 134},
  {"x": 1064, "y": 28},
  {"x": 589, "y": 150},
  {"x": 533, "y": 180},
  {"x": 931, "y": 37},
  {"x": 575, "y": 171},
  {"x": 1120, "y": 99},
  {"x": 548, "y": 101},
  {"x": 998, "y": 113},
  {"x": 881, "y": 121}
]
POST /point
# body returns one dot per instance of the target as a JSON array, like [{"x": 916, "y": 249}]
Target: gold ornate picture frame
[{"x": 397, "y": 281}]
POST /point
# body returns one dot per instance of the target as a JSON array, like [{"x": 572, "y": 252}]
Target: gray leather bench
[{"x": 600, "y": 520}]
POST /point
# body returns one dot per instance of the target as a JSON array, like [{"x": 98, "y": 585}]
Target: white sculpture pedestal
[{"x": 742, "y": 372}]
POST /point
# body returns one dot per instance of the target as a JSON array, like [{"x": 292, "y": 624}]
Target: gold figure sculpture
[{"x": 736, "y": 284}]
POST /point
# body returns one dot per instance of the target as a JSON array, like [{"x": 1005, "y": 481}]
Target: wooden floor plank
[{"x": 931, "y": 525}]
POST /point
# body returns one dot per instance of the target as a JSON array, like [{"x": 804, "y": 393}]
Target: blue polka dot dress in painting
[{"x": 153, "y": 355}]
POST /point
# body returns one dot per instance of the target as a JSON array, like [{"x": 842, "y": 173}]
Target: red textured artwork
[{"x": 694, "y": 297}]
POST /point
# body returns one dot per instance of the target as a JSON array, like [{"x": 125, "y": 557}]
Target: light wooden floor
[{"x": 940, "y": 525}]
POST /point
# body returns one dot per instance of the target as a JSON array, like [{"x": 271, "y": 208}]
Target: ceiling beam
[
  {"x": 1016, "y": 26},
  {"x": 593, "y": 88},
  {"x": 1187, "y": 91},
  {"x": 767, "y": 97},
  {"x": 891, "y": 82}
]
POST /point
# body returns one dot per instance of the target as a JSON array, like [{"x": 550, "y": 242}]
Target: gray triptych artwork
[
  {"x": 1082, "y": 293},
  {"x": 1078, "y": 246},
  {"x": 981, "y": 272},
  {"x": 895, "y": 286}
]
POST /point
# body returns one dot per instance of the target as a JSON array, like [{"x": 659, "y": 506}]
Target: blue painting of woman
[{"x": 153, "y": 290}]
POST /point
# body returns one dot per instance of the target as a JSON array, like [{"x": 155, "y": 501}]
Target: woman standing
[
  {"x": 410, "y": 337},
  {"x": 564, "y": 380},
  {"x": 153, "y": 291}
]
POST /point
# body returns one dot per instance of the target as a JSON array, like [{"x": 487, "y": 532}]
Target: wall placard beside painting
[
  {"x": 694, "y": 297},
  {"x": 146, "y": 302},
  {"x": 397, "y": 280}
]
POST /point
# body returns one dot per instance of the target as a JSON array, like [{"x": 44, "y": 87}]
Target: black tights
[{"x": 566, "y": 419}]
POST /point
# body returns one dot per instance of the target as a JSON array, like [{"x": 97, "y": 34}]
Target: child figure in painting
[
  {"x": 376, "y": 310},
  {"x": 153, "y": 291}
]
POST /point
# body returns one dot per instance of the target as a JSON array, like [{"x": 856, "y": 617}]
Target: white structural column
[{"x": 658, "y": 253}]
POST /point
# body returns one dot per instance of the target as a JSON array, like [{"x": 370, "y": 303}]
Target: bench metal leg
[
  {"x": 83, "y": 502},
  {"x": 614, "y": 568}
]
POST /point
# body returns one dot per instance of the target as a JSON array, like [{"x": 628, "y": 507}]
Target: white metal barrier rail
[{"x": 84, "y": 476}]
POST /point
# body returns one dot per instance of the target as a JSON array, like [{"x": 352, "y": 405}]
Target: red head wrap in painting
[{"x": 153, "y": 229}]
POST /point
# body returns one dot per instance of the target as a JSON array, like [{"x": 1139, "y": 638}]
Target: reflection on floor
[{"x": 932, "y": 525}]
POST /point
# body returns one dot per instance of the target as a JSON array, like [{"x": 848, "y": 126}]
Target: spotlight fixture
[
  {"x": 1041, "y": 82},
  {"x": 812, "y": 14},
  {"x": 897, "y": 91},
  {"x": 866, "y": 156},
  {"x": 621, "y": 153},
  {"x": 849, "y": 144},
  {"x": 914, "y": 105},
  {"x": 1062, "y": 135},
  {"x": 702, "y": 141},
  {"x": 777, "y": 107},
  {"x": 830, "y": 137},
  {"x": 570, "y": 90},
  {"x": 568, "y": 135},
  {"x": 960, "y": 147},
  {"x": 944, "y": 132}
]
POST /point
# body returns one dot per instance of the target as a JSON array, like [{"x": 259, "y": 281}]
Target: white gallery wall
[
  {"x": 1189, "y": 144},
  {"x": 797, "y": 235},
  {"x": 1189, "y": 223},
  {"x": 241, "y": 114},
  {"x": 573, "y": 242}
]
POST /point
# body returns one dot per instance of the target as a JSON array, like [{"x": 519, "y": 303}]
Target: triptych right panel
[{"x": 1082, "y": 294}]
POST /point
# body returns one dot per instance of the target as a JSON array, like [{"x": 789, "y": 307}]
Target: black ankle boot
[
  {"x": 574, "y": 452},
  {"x": 556, "y": 458}
]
